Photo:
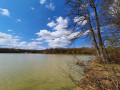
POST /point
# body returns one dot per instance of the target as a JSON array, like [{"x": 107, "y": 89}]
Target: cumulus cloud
[
  {"x": 42, "y": 1},
  {"x": 4, "y": 12},
  {"x": 59, "y": 36},
  {"x": 58, "y": 42},
  {"x": 31, "y": 45},
  {"x": 51, "y": 24},
  {"x": 10, "y": 41},
  {"x": 50, "y": 6},
  {"x": 80, "y": 20}
]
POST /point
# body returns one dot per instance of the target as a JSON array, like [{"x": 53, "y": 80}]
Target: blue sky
[{"x": 33, "y": 24}]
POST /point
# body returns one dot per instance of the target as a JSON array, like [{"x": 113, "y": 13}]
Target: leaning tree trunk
[
  {"x": 92, "y": 31},
  {"x": 94, "y": 39},
  {"x": 103, "y": 52}
]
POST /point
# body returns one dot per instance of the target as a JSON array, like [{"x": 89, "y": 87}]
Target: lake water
[{"x": 36, "y": 71}]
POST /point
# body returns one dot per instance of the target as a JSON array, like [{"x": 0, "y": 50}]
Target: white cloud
[
  {"x": 17, "y": 37},
  {"x": 32, "y": 8},
  {"x": 22, "y": 43},
  {"x": 80, "y": 20},
  {"x": 58, "y": 42},
  {"x": 38, "y": 39},
  {"x": 4, "y": 12},
  {"x": 62, "y": 24},
  {"x": 42, "y": 1},
  {"x": 9, "y": 30},
  {"x": 59, "y": 36},
  {"x": 87, "y": 32},
  {"x": 31, "y": 45},
  {"x": 51, "y": 24},
  {"x": 19, "y": 20},
  {"x": 45, "y": 35},
  {"x": 10, "y": 41},
  {"x": 51, "y": 6}
]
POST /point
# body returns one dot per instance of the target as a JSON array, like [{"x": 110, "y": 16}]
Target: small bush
[{"x": 115, "y": 57}]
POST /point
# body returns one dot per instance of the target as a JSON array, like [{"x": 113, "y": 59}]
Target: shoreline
[
  {"x": 99, "y": 76},
  {"x": 49, "y": 54}
]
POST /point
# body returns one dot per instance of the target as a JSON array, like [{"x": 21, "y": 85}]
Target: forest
[{"x": 83, "y": 50}]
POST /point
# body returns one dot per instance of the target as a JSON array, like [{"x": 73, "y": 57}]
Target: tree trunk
[
  {"x": 94, "y": 39},
  {"x": 103, "y": 53},
  {"x": 92, "y": 33}
]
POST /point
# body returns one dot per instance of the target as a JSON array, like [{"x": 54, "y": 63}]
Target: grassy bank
[{"x": 100, "y": 77}]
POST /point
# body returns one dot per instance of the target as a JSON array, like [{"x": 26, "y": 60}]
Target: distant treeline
[{"x": 83, "y": 50}]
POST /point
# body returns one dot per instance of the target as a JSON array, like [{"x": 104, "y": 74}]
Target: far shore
[{"x": 51, "y": 54}]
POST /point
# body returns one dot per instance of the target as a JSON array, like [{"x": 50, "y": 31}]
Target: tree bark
[
  {"x": 92, "y": 32},
  {"x": 103, "y": 53}
]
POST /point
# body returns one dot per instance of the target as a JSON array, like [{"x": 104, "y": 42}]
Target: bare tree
[
  {"x": 111, "y": 11},
  {"x": 110, "y": 16},
  {"x": 100, "y": 18},
  {"x": 84, "y": 15}
]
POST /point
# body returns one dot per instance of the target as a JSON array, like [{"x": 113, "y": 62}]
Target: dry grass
[{"x": 100, "y": 77}]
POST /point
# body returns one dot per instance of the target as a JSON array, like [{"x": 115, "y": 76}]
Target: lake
[{"x": 37, "y": 71}]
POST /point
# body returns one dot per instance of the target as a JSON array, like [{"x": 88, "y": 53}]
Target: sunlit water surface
[{"x": 35, "y": 71}]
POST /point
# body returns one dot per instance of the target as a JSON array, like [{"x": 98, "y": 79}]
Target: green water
[{"x": 35, "y": 72}]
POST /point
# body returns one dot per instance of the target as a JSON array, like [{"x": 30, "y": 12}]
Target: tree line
[{"x": 83, "y": 50}]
